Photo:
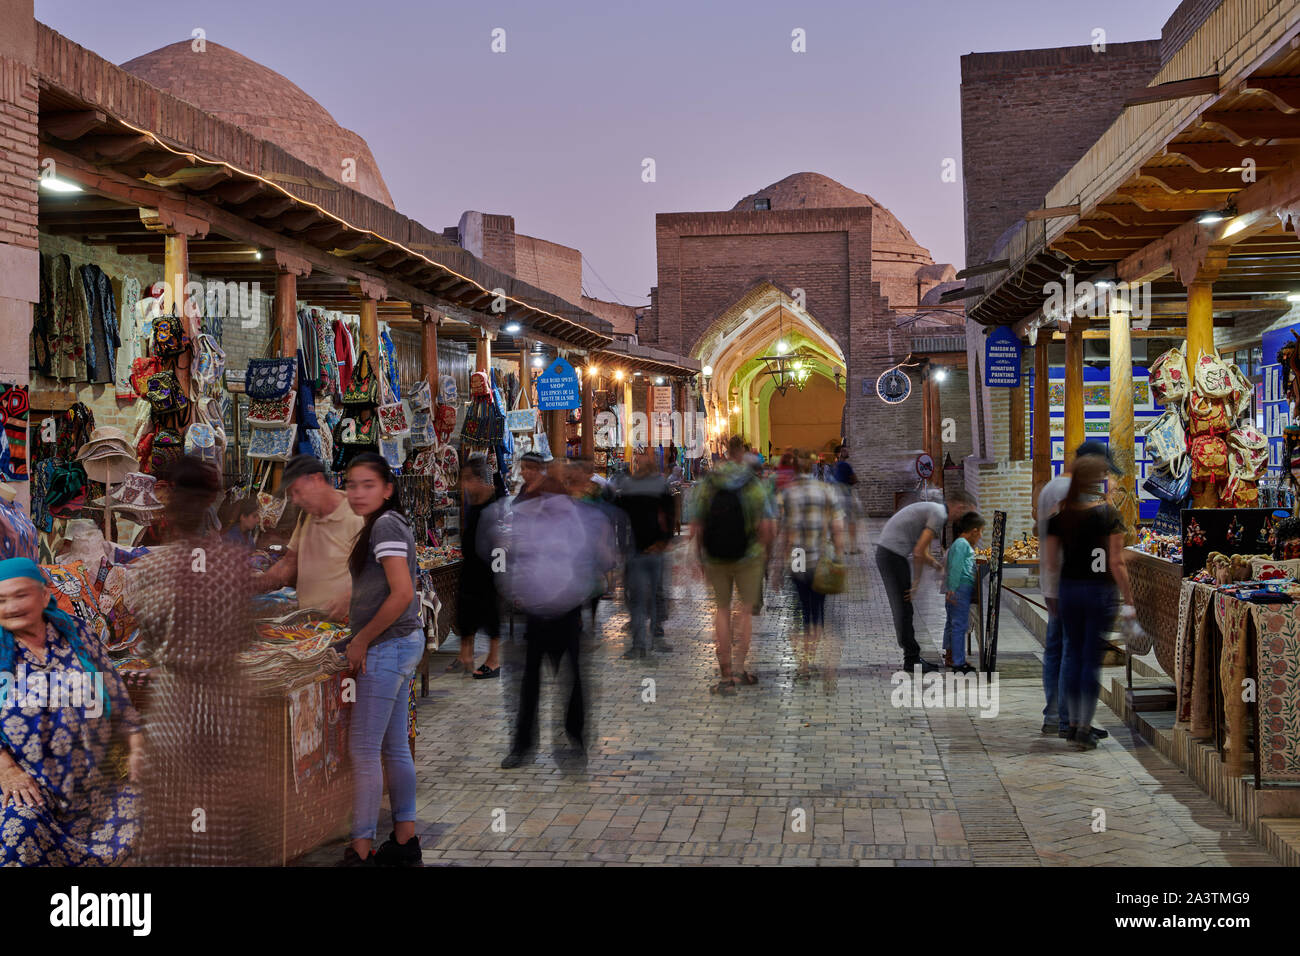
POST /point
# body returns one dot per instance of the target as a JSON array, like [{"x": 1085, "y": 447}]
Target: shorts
[
  {"x": 747, "y": 576},
  {"x": 474, "y": 614}
]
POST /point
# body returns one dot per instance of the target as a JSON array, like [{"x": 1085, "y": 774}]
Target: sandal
[
  {"x": 726, "y": 687},
  {"x": 746, "y": 678},
  {"x": 484, "y": 672},
  {"x": 456, "y": 666}
]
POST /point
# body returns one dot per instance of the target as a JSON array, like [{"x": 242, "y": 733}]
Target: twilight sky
[{"x": 554, "y": 130}]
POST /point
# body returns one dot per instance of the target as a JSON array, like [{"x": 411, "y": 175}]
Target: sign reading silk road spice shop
[
  {"x": 557, "y": 387},
  {"x": 1002, "y": 359}
]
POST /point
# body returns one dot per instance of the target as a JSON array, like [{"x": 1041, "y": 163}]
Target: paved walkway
[{"x": 822, "y": 773}]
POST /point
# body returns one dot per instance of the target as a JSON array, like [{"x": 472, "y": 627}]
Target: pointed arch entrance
[{"x": 742, "y": 395}]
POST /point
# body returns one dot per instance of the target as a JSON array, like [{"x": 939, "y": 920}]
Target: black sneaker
[
  {"x": 927, "y": 667},
  {"x": 1049, "y": 729},
  {"x": 512, "y": 760},
  {"x": 1068, "y": 733},
  {"x": 1099, "y": 733},
  {"x": 352, "y": 858},
  {"x": 1085, "y": 740},
  {"x": 392, "y": 853}
]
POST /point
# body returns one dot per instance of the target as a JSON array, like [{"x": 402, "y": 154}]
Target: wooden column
[
  {"x": 588, "y": 412},
  {"x": 1124, "y": 497},
  {"x": 428, "y": 320},
  {"x": 483, "y": 355},
  {"x": 1200, "y": 341},
  {"x": 370, "y": 331},
  {"x": 1073, "y": 391},
  {"x": 934, "y": 437},
  {"x": 1016, "y": 398},
  {"x": 286, "y": 313},
  {"x": 1042, "y": 416},
  {"x": 627, "y": 418},
  {"x": 176, "y": 269}
]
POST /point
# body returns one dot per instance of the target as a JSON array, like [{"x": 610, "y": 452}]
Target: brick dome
[
  {"x": 896, "y": 258},
  {"x": 261, "y": 101}
]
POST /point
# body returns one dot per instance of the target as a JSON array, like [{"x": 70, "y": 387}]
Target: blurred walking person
[
  {"x": 477, "y": 603},
  {"x": 731, "y": 529},
  {"x": 645, "y": 499},
  {"x": 812, "y": 520}
]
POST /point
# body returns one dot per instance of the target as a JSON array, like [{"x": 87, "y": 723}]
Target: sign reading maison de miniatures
[
  {"x": 1002, "y": 359},
  {"x": 557, "y": 388}
]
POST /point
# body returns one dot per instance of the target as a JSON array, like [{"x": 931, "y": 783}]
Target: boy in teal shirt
[{"x": 960, "y": 585}]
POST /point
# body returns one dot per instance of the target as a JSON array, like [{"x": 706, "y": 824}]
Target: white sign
[{"x": 663, "y": 399}]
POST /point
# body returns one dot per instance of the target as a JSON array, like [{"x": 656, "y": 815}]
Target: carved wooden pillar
[
  {"x": 1042, "y": 416},
  {"x": 1121, "y": 422},
  {"x": 1074, "y": 433}
]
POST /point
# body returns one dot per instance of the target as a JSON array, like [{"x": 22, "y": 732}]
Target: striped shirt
[
  {"x": 390, "y": 537},
  {"x": 808, "y": 509}
]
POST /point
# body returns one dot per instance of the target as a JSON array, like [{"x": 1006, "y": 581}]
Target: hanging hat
[
  {"x": 107, "y": 456},
  {"x": 85, "y": 543},
  {"x": 136, "y": 493}
]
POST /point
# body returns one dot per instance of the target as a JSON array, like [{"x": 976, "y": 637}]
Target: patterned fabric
[
  {"x": 329, "y": 365},
  {"x": 388, "y": 359},
  {"x": 1278, "y": 654},
  {"x": 74, "y": 589},
  {"x": 128, "y": 334},
  {"x": 68, "y": 323},
  {"x": 18, "y": 538},
  {"x": 808, "y": 509},
  {"x": 1183, "y": 652},
  {"x": 203, "y": 725},
  {"x": 101, "y": 307},
  {"x": 41, "y": 516},
  {"x": 89, "y": 818},
  {"x": 13, "y": 417},
  {"x": 1233, "y": 618}
]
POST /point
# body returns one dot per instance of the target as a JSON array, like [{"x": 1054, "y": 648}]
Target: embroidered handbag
[
  {"x": 169, "y": 337},
  {"x": 422, "y": 433},
  {"x": 1168, "y": 487},
  {"x": 1169, "y": 377},
  {"x": 1209, "y": 458},
  {"x": 168, "y": 447},
  {"x": 1239, "y": 493},
  {"x": 163, "y": 390},
  {"x": 360, "y": 430},
  {"x": 272, "y": 442},
  {"x": 1167, "y": 442},
  {"x": 364, "y": 387},
  {"x": 420, "y": 396},
  {"x": 209, "y": 363},
  {"x": 269, "y": 378},
  {"x": 1212, "y": 377},
  {"x": 395, "y": 420},
  {"x": 1242, "y": 391},
  {"x": 1208, "y": 416},
  {"x": 201, "y": 442},
  {"x": 444, "y": 423},
  {"x": 141, "y": 369},
  {"x": 1247, "y": 453},
  {"x": 479, "y": 385},
  {"x": 425, "y": 463},
  {"x": 271, "y": 411},
  {"x": 391, "y": 449}
]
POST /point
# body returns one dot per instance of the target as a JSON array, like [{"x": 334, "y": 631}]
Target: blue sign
[
  {"x": 1002, "y": 359},
  {"x": 557, "y": 388}
]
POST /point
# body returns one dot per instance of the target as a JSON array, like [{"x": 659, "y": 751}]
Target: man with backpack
[{"x": 732, "y": 526}]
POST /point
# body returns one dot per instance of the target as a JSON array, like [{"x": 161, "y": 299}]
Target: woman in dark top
[
  {"x": 476, "y": 595},
  {"x": 386, "y": 646},
  {"x": 1085, "y": 539}
]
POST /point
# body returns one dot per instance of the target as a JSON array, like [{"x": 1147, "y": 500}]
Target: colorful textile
[
  {"x": 73, "y": 587},
  {"x": 40, "y": 489},
  {"x": 1233, "y": 618},
  {"x": 13, "y": 417},
  {"x": 1277, "y": 630},
  {"x": 101, "y": 325},
  {"x": 336, "y": 726},
  {"x": 89, "y": 817},
  {"x": 307, "y": 733},
  {"x": 18, "y": 538}
]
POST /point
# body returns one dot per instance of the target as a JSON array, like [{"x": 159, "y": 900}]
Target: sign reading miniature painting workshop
[
  {"x": 557, "y": 387},
  {"x": 1002, "y": 359}
]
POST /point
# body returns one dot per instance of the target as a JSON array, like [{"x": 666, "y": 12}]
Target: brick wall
[
  {"x": 622, "y": 317},
  {"x": 1003, "y": 486},
  {"x": 18, "y": 161},
  {"x": 1185, "y": 21},
  {"x": 1027, "y": 118},
  {"x": 954, "y": 403},
  {"x": 549, "y": 266}
]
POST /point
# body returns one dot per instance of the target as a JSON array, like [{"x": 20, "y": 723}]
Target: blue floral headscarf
[{"x": 63, "y": 623}]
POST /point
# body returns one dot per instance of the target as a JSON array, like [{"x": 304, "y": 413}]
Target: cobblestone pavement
[{"x": 827, "y": 772}]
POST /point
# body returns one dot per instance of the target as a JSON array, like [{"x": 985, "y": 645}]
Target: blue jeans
[
  {"x": 811, "y": 603},
  {"x": 644, "y": 576},
  {"x": 958, "y": 624},
  {"x": 1053, "y": 676},
  {"x": 379, "y": 736},
  {"x": 1087, "y": 608}
]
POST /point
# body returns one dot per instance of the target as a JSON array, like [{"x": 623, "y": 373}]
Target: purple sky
[{"x": 554, "y": 130}]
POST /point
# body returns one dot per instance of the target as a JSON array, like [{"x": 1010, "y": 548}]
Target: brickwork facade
[
  {"x": 549, "y": 266},
  {"x": 1027, "y": 117}
]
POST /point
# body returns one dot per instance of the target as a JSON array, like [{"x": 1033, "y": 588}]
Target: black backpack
[{"x": 726, "y": 533}]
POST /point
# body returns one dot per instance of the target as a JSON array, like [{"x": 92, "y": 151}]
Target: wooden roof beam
[
  {"x": 1212, "y": 157},
  {"x": 116, "y": 149},
  {"x": 1251, "y": 127},
  {"x": 1176, "y": 90},
  {"x": 1283, "y": 92},
  {"x": 240, "y": 191},
  {"x": 1155, "y": 199},
  {"x": 1179, "y": 179},
  {"x": 197, "y": 178},
  {"x": 161, "y": 164},
  {"x": 73, "y": 124},
  {"x": 324, "y": 232}
]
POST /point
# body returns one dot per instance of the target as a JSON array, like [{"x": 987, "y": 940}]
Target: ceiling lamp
[
  {"x": 53, "y": 184},
  {"x": 779, "y": 366},
  {"x": 513, "y": 327},
  {"x": 1212, "y": 216}
]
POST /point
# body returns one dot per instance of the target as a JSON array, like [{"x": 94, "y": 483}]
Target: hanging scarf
[{"x": 63, "y": 623}]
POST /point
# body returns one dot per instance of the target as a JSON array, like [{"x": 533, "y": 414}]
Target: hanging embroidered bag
[
  {"x": 1242, "y": 391},
  {"x": 269, "y": 378},
  {"x": 167, "y": 447},
  {"x": 1168, "y": 487},
  {"x": 1239, "y": 493},
  {"x": 201, "y": 442},
  {"x": 1208, "y": 416},
  {"x": 169, "y": 337},
  {"x": 422, "y": 433},
  {"x": 395, "y": 420},
  {"x": 272, "y": 442},
  {"x": 360, "y": 429},
  {"x": 1212, "y": 377},
  {"x": 1209, "y": 458},
  {"x": 391, "y": 450},
  {"x": 364, "y": 387},
  {"x": 271, "y": 411},
  {"x": 1168, "y": 377},
  {"x": 141, "y": 369},
  {"x": 420, "y": 397},
  {"x": 163, "y": 390},
  {"x": 1247, "y": 453},
  {"x": 1166, "y": 442}
]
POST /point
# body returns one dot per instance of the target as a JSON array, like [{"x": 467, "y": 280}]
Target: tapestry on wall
[{"x": 13, "y": 417}]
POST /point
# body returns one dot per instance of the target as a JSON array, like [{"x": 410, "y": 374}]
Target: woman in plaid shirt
[{"x": 811, "y": 511}]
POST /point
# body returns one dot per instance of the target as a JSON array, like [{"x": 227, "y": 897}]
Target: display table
[
  {"x": 1156, "y": 582},
  {"x": 1223, "y": 644}
]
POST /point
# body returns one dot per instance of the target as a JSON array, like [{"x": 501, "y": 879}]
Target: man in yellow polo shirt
[{"x": 317, "y": 559}]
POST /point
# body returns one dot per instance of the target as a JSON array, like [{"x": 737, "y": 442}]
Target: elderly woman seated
[{"x": 61, "y": 701}]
